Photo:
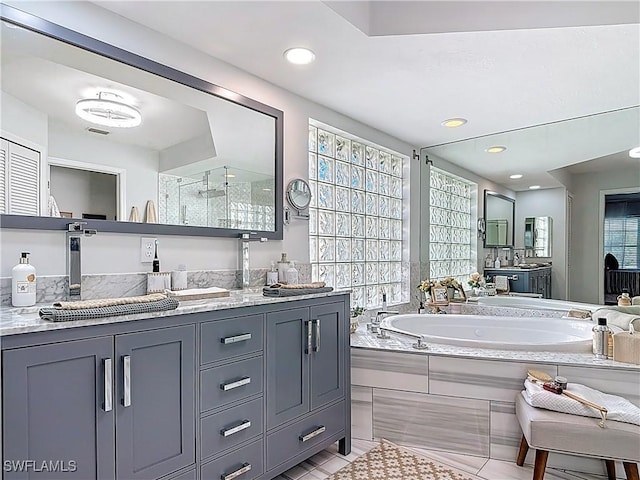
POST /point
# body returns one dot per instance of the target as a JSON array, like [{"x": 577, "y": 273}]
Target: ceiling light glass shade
[
  {"x": 515, "y": 176},
  {"x": 299, "y": 56},
  {"x": 454, "y": 122},
  {"x": 634, "y": 152},
  {"x": 534, "y": 187},
  {"x": 496, "y": 149},
  {"x": 108, "y": 110}
]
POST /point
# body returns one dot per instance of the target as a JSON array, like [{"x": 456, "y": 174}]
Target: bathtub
[
  {"x": 501, "y": 333},
  {"x": 536, "y": 303}
]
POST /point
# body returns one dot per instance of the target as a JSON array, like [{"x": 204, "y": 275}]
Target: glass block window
[
  {"x": 355, "y": 225},
  {"x": 450, "y": 252}
]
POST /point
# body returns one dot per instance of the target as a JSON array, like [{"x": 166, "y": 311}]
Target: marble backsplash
[{"x": 52, "y": 288}]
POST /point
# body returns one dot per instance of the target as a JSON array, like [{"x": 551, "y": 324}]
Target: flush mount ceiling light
[
  {"x": 299, "y": 55},
  {"x": 109, "y": 110},
  {"x": 515, "y": 176},
  {"x": 534, "y": 187},
  {"x": 495, "y": 149},
  {"x": 634, "y": 152},
  {"x": 454, "y": 122}
]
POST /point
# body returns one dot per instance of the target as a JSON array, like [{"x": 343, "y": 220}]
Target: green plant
[{"x": 357, "y": 311}]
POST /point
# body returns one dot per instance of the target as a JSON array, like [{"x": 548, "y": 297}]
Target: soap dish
[{"x": 198, "y": 293}]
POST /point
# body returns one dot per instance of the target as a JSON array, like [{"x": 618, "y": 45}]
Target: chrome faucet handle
[{"x": 75, "y": 226}]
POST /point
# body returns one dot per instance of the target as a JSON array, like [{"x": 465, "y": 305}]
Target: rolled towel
[
  {"x": 56, "y": 315},
  {"x": 298, "y": 285},
  {"x": 108, "y": 302},
  {"x": 577, "y": 313},
  {"x": 618, "y": 408},
  {"x": 618, "y": 318}
]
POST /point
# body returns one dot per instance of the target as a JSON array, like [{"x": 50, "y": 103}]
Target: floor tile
[
  {"x": 320, "y": 458},
  {"x": 332, "y": 465},
  {"x": 502, "y": 470},
  {"x": 314, "y": 475},
  {"x": 466, "y": 463}
]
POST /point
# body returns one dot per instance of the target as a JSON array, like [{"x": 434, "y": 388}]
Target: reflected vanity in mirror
[
  {"x": 499, "y": 219},
  {"x": 538, "y": 236},
  {"x": 93, "y": 132}
]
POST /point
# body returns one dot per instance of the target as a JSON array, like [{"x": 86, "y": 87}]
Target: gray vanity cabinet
[
  {"x": 80, "y": 400},
  {"x": 54, "y": 409},
  {"x": 155, "y": 411}
]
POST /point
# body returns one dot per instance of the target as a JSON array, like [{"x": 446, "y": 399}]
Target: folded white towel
[
  {"x": 502, "y": 283},
  {"x": 619, "y": 409},
  {"x": 617, "y": 318},
  {"x": 54, "y": 211}
]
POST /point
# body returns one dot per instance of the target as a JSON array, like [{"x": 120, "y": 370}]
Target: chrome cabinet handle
[
  {"x": 310, "y": 435},
  {"x": 316, "y": 343},
  {"x": 227, "y": 432},
  {"x": 307, "y": 326},
  {"x": 126, "y": 376},
  {"x": 108, "y": 384},
  {"x": 236, "y": 384},
  {"x": 244, "y": 469},
  {"x": 237, "y": 338}
]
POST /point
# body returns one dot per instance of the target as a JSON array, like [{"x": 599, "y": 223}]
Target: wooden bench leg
[
  {"x": 522, "y": 453},
  {"x": 611, "y": 469},
  {"x": 631, "y": 469},
  {"x": 541, "y": 464}
]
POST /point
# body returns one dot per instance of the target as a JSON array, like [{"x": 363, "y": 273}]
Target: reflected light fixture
[
  {"x": 299, "y": 55},
  {"x": 495, "y": 149},
  {"x": 454, "y": 122},
  {"x": 634, "y": 152},
  {"x": 110, "y": 110},
  {"x": 515, "y": 176},
  {"x": 534, "y": 187}
]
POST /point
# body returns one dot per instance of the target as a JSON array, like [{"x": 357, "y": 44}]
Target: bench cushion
[{"x": 577, "y": 435}]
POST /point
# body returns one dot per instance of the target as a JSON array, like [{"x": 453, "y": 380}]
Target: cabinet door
[
  {"x": 57, "y": 411},
  {"x": 155, "y": 418},
  {"x": 329, "y": 332},
  {"x": 288, "y": 350}
]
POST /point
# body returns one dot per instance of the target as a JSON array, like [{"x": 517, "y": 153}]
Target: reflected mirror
[
  {"x": 125, "y": 142},
  {"x": 538, "y": 236},
  {"x": 499, "y": 216}
]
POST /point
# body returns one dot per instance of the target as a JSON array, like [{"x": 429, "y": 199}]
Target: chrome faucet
[
  {"x": 374, "y": 325},
  {"x": 245, "y": 238},
  {"x": 75, "y": 232}
]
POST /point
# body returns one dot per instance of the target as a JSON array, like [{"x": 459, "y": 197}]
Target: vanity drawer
[
  {"x": 242, "y": 464},
  {"x": 229, "y": 338},
  {"x": 230, "y": 427},
  {"x": 306, "y": 433},
  {"x": 229, "y": 383}
]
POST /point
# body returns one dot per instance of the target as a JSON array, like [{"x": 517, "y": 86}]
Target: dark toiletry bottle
[
  {"x": 156, "y": 261},
  {"x": 421, "y": 307}
]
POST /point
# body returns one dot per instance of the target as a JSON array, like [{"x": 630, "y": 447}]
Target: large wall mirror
[
  {"x": 93, "y": 132},
  {"x": 499, "y": 216}
]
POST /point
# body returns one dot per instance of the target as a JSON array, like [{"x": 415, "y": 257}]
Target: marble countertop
[
  {"x": 518, "y": 268},
  {"x": 16, "y": 320},
  {"x": 400, "y": 343}
]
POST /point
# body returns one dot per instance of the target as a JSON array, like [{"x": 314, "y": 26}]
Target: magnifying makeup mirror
[{"x": 299, "y": 197}]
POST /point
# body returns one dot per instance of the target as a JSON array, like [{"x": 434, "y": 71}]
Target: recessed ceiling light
[
  {"x": 229, "y": 175},
  {"x": 534, "y": 187},
  {"x": 516, "y": 176},
  {"x": 454, "y": 122},
  {"x": 495, "y": 149},
  {"x": 299, "y": 55},
  {"x": 634, "y": 152}
]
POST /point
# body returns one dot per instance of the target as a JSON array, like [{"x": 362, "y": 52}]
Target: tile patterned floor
[{"x": 329, "y": 461}]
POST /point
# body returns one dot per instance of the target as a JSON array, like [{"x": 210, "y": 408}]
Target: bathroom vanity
[
  {"x": 244, "y": 387},
  {"x": 521, "y": 280}
]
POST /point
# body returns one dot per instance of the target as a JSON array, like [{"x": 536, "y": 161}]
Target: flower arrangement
[
  {"x": 357, "y": 311},
  {"x": 476, "y": 280},
  {"x": 451, "y": 282},
  {"x": 426, "y": 286}
]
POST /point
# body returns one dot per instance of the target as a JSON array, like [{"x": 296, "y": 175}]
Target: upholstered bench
[{"x": 549, "y": 431}]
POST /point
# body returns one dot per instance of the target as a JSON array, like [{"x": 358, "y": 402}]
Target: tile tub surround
[
  {"x": 461, "y": 400},
  {"x": 471, "y": 308},
  {"x": 51, "y": 288}
]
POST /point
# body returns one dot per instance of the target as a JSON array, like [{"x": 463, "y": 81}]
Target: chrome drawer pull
[
  {"x": 244, "y": 469},
  {"x": 310, "y": 435},
  {"x": 126, "y": 379},
  {"x": 316, "y": 346},
  {"x": 238, "y": 428},
  {"x": 307, "y": 326},
  {"x": 108, "y": 385},
  {"x": 236, "y": 384},
  {"x": 238, "y": 338}
]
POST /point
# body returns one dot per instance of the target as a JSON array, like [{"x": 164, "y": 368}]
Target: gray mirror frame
[
  {"x": 71, "y": 37},
  {"x": 290, "y": 198},
  {"x": 489, "y": 193}
]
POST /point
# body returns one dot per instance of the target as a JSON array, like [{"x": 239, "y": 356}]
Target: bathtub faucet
[{"x": 374, "y": 325}]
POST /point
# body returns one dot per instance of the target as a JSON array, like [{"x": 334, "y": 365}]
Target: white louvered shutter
[
  {"x": 24, "y": 180},
  {"x": 4, "y": 147}
]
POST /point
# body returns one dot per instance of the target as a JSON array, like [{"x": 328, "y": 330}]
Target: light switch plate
[{"x": 147, "y": 249}]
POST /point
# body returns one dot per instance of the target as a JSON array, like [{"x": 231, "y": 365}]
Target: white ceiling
[{"x": 501, "y": 65}]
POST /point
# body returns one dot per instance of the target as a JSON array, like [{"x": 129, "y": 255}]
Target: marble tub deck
[{"x": 462, "y": 400}]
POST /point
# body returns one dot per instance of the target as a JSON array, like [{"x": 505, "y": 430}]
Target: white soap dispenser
[
  {"x": 292, "y": 274},
  {"x": 272, "y": 275},
  {"x": 496, "y": 263},
  {"x": 23, "y": 283}
]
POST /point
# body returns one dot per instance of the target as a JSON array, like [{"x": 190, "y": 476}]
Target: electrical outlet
[{"x": 147, "y": 249}]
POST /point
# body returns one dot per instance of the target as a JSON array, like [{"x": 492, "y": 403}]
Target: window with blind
[
  {"x": 355, "y": 217},
  {"x": 621, "y": 235},
  {"x": 450, "y": 249}
]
